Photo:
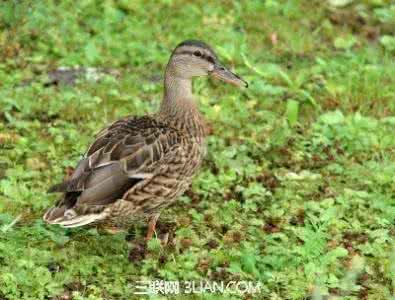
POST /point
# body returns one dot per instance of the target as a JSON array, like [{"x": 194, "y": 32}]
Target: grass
[{"x": 297, "y": 191}]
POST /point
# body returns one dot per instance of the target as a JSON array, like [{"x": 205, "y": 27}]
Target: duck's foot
[
  {"x": 151, "y": 226},
  {"x": 138, "y": 246}
]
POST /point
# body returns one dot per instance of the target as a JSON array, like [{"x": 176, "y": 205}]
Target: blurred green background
[{"x": 297, "y": 191}]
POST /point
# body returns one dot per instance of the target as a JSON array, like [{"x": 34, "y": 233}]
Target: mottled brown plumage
[{"x": 140, "y": 165}]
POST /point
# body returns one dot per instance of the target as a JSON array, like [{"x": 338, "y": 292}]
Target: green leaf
[
  {"x": 345, "y": 42},
  {"x": 91, "y": 52},
  {"x": 388, "y": 42},
  {"x": 339, "y": 3},
  {"x": 292, "y": 112}
]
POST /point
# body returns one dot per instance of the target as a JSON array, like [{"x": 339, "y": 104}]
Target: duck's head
[{"x": 193, "y": 58}]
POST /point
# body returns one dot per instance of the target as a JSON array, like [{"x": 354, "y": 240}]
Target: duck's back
[{"x": 135, "y": 167}]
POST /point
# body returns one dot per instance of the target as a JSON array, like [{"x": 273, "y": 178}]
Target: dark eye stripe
[{"x": 208, "y": 58}]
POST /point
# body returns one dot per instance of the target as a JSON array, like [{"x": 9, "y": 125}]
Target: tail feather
[
  {"x": 54, "y": 214},
  {"x": 68, "y": 218},
  {"x": 81, "y": 220}
]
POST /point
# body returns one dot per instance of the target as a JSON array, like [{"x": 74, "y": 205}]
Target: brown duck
[{"x": 139, "y": 165}]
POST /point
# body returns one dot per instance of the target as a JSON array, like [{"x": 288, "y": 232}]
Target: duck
[{"x": 140, "y": 165}]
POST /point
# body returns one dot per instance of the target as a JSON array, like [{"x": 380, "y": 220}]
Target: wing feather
[{"x": 115, "y": 161}]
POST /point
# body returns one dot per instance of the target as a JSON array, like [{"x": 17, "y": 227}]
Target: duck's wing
[{"x": 122, "y": 155}]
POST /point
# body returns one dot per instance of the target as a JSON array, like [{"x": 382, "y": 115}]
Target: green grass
[{"x": 297, "y": 191}]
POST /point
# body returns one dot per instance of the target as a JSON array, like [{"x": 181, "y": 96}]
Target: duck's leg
[{"x": 151, "y": 226}]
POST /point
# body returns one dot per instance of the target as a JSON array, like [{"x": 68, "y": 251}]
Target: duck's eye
[{"x": 197, "y": 53}]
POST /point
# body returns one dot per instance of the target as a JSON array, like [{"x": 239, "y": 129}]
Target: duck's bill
[{"x": 225, "y": 75}]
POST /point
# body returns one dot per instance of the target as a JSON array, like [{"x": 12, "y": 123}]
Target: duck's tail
[{"x": 69, "y": 218}]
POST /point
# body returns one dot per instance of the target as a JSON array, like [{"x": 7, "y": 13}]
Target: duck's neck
[
  {"x": 178, "y": 105},
  {"x": 178, "y": 98}
]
